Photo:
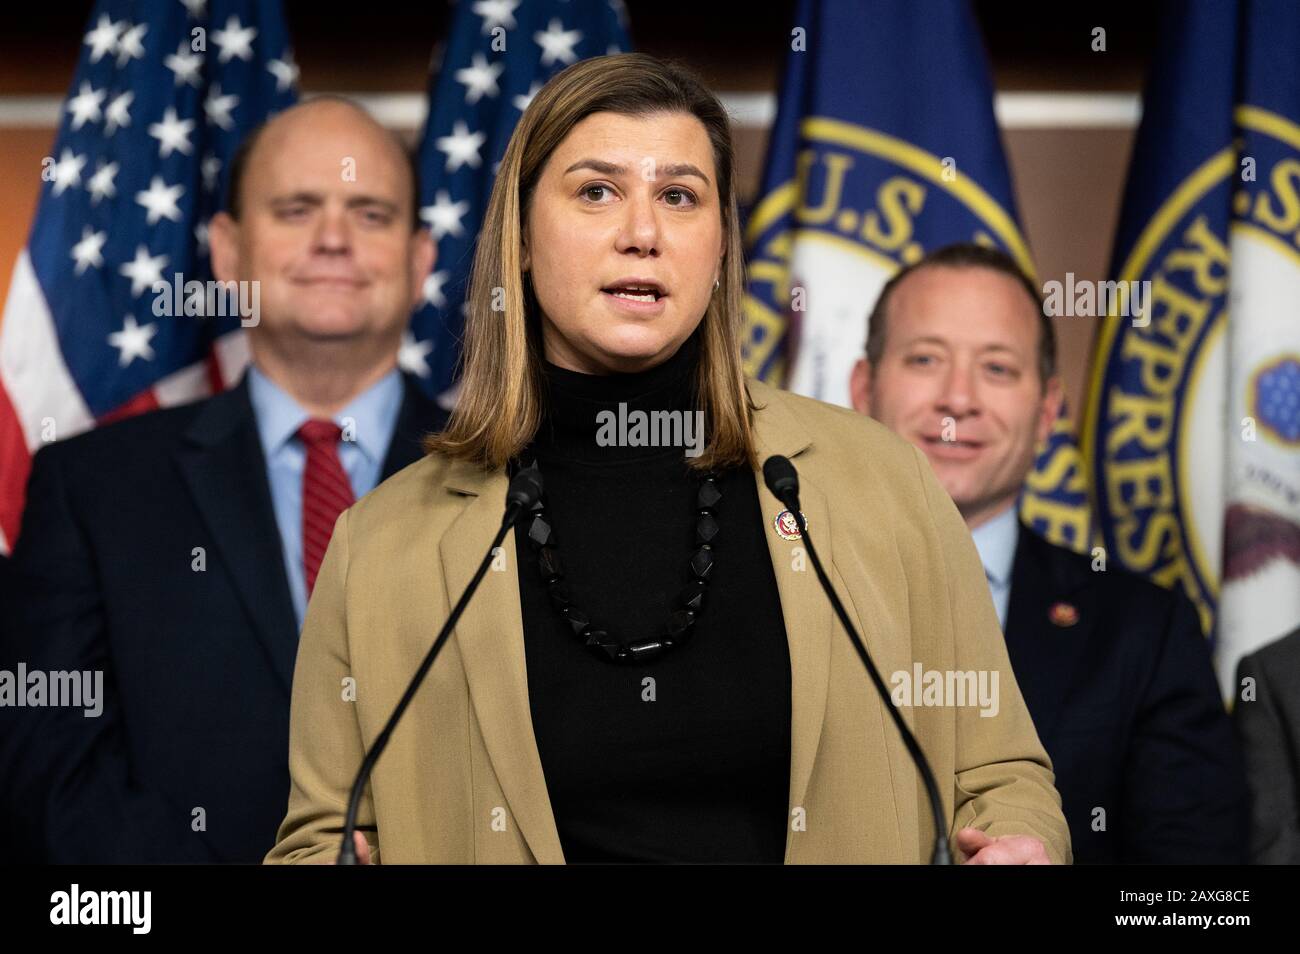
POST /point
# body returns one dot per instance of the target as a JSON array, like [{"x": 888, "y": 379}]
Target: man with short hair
[
  {"x": 961, "y": 362},
  {"x": 176, "y": 551}
]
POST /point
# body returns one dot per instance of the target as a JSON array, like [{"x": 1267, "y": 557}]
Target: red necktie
[{"x": 326, "y": 492}]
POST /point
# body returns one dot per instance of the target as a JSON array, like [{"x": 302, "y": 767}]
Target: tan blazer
[{"x": 461, "y": 780}]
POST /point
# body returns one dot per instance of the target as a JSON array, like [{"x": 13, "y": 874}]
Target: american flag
[
  {"x": 496, "y": 58},
  {"x": 163, "y": 92}
]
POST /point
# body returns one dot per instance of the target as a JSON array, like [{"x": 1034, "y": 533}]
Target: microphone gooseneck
[
  {"x": 783, "y": 481},
  {"x": 524, "y": 491}
]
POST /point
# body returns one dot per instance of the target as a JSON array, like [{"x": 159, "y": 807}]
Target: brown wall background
[
  {"x": 21, "y": 152},
  {"x": 1068, "y": 181}
]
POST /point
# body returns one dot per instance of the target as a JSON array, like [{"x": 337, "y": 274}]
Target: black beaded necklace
[{"x": 689, "y": 604}]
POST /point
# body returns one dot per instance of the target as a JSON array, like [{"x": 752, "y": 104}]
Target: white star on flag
[
  {"x": 172, "y": 133},
  {"x": 411, "y": 357},
  {"x": 101, "y": 184},
  {"x": 89, "y": 251},
  {"x": 133, "y": 341},
  {"x": 117, "y": 115},
  {"x": 143, "y": 270},
  {"x": 185, "y": 63},
  {"x": 84, "y": 107},
  {"x": 443, "y": 217},
  {"x": 210, "y": 168},
  {"x": 461, "y": 147},
  {"x": 234, "y": 40},
  {"x": 67, "y": 171},
  {"x": 557, "y": 43},
  {"x": 201, "y": 235},
  {"x": 496, "y": 13},
  {"x": 129, "y": 46},
  {"x": 196, "y": 7},
  {"x": 433, "y": 283},
  {"x": 103, "y": 38},
  {"x": 218, "y": 107},
  {"x": 160, "y": 201},
  {"x": 524, "y": 100},
  {"x": 285, "y": 72},
  {"x": 479, "y": 78}
]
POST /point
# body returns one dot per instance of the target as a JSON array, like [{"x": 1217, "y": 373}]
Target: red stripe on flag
[
  {"x": 15, "y": 465},
  {"x": 146, "y": 400}
]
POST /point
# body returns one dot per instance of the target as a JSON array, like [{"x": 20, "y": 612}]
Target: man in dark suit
[
  {"x": 1267, "y": 716},
  {"x": 173, "y": 553},
  {"x": 960, "y": 360}
]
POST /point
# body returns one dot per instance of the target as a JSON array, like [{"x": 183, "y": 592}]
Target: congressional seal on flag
[{"x": 1193, "y": 425}]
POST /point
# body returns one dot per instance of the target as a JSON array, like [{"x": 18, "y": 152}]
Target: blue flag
[
  {"x": 1192, "y": 430},
  {"x": 163, "y": 93},
  {"x": 496, "y": 58},
  {"x": 885, "y": 147}
]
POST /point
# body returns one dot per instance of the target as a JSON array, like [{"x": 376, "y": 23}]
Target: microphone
[
  {"x": 780, "y": 476},
  {"x": 524, "y": 492},
  {"x": 783, "y": 481}
]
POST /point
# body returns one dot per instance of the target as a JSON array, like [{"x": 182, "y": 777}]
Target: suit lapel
[
  {"x": 490, "y": 632},
  {"x": 1044, "y": 655},
  {"x": 222, "y": 464},
  {"x": 491, "y": 640},
  {"x": 807, "y": 614}
]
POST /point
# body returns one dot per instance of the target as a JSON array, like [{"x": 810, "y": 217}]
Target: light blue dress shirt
[
  {"x": 368, "y": 423},
  {"x": 996, "y": 541}
]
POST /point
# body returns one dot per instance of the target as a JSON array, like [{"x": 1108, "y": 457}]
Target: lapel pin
[
  {"x": 787, "y": 526},
  {"x": 1063, "y": 614}
]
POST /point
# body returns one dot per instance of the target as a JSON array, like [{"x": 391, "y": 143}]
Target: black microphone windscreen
[
  {"x": 525, "y": 488},
  {"x": 780, "y": 476}
]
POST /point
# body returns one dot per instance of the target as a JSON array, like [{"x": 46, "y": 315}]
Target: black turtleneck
[{"x": 684, "y": 758}]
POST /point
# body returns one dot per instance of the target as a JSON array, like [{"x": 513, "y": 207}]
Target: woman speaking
[{"x": 651, "y": 671}]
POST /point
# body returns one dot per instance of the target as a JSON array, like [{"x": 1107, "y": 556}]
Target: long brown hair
[{"x": 500, "y": 404}]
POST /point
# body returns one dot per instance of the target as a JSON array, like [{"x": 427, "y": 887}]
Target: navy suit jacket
[
  {"x": 150, "y": 552},
  {"x": 1126, "y": 703},
  {"x": 1268, "y": 725}
]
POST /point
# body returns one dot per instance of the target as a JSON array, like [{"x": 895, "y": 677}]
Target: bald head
[
  {"x": 309, "y": 121},
  {"x": 323, "y": 218}
]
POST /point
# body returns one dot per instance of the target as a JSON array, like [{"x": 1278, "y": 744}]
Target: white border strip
[
  {"x": 748, "y": 110},
  {"x": 1068, "y": 110}
]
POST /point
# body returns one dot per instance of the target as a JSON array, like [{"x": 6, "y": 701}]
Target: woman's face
[{"x": 624, "y": 240}]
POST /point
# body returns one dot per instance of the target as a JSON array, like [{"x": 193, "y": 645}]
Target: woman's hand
[
  {"x": 363, "y": 848},
  {"x": 982, "y": 849}
]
